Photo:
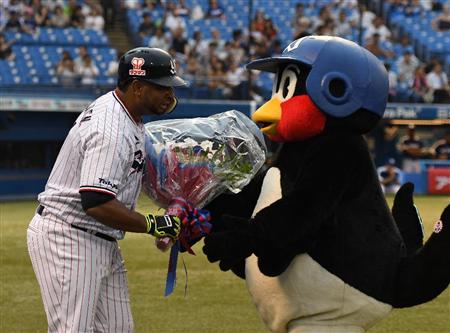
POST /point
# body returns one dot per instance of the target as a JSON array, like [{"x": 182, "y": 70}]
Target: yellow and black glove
[{"x": 163, "y": 226}]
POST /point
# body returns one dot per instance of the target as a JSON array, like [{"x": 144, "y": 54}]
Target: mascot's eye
[{"x": 287, "y": 82}]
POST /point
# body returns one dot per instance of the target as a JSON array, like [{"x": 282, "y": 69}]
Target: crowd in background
[
  {"x": 217, "y": 63},
  {"x": 397, "y": 151}
]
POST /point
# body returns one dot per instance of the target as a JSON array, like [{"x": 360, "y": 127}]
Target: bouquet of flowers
[{"x": 191, "y": 161}]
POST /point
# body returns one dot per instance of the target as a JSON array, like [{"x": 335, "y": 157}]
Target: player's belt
[{"x": 41, "y": 208}]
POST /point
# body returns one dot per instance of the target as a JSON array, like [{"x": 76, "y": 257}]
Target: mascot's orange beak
[{"x": 268, "y": 116}]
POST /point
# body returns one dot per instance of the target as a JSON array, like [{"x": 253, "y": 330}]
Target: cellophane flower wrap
[{"x": 192, "y": 161}]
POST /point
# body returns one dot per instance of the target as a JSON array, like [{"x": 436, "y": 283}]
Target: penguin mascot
[{"x": 313, "y": 235}]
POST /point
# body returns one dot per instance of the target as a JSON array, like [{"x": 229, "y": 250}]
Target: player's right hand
[{"x": 163, "y": 225}]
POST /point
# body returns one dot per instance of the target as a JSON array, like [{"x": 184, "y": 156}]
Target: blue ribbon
[{"x": 171, "y": 279}]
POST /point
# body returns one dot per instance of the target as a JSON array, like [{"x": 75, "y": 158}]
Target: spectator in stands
[
  {"x": 216, "y": 38},
  {"x": 299, "y": 17},
  {"x": 197, "y": 45},
  {"x": 82, "y": 52},
  {"x": 420, "y": 90},
  {"x": 257, "y": 26},
  {"x": 367, "y": 16},
  {"x": 109, "y": 12},
  {"x": 276, "y": 48},
  {"x": 233, "y": 81},
  {"x": 173, "y": 21},
  {"x": 59, "y": 19},
  {"x": 390, "y": 177},
  {"x": 326, "y": 29},
  {"x": 216, "y": 77},
  {"x": 375, "y": 47},
  {"x": 29, "y": 20},
  {"x": 238, "y": 46},
  {"x": 324, "y": 17},
  {"x": 205, "y": 58},
  {"x": 77, "y": 17},
  {"x": 303, "y": 29},
  {"x": 343, "y": 26},
  {"x": 42, "y": 17},
  {"x": 438, "y": 81},
  {"x": 393, "y": 83},
  {"x": 147, "y": 27},
  {"x": 15, "y": 23},
  {"x": 270, "y": 30},
  {"x": 378, "y": 27},
  {"x": 6, "y": 52},
  {"x": 113, "y": 66},
  {"x": 441, "y": 149},
  {"x": 402, "y": 45},
  {"x": 14, "y": 6},
  {"x": 180, "y": 44},
  {"x": 215, "y": 11},
  {"x": 226, "y": 54},
  {"x": 181, "y": 9},
  {"x": 159, "y": 39},
  {"x": 412, "y": 149},
  {"x": 65, "y": 70},
  {"x": 442, "y": 21},
  {"x": 192, "y": 73},
  {"x": 88, "y": 71},
  {"x": 413, "y": 8},
  {"x": 94, "y": 20},
  {"x": 406, "y": 65}
]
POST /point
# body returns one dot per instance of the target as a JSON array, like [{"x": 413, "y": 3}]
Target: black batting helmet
[{"x": 149, "y": 64}]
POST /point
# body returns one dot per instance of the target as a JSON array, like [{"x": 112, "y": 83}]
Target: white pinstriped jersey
[{"x": 103, "y": 152}]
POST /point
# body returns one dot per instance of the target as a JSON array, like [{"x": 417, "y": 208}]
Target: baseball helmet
[
  {"x": 149, "y": 64},
  {"x": 361, "y": 78}
]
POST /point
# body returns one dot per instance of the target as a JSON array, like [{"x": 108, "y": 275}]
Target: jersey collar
[{"x": 116, "y": 96}]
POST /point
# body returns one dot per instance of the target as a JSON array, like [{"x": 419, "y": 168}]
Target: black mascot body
[{"x": 313, "y": 235}]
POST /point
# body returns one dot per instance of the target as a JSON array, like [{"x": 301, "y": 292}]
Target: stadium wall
[{"x": 33, "y": 129}]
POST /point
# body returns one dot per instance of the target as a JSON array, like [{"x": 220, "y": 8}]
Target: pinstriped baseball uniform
[{"x": 82, "y": 276}]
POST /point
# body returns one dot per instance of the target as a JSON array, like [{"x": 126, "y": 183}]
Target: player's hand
[{"x": 163, "y": 226}]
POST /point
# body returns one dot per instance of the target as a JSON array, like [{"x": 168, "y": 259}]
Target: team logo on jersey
[
  {"x": 108, "y": 183},
  {"x": 138, "y": 163},
  {"x": 137, "y": 64}
]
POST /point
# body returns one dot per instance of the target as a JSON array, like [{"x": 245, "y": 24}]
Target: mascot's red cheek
[{"x": 300, "y": 119}]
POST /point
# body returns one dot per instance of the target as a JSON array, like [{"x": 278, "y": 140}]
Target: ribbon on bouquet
[{"x": 194, "y": 225}]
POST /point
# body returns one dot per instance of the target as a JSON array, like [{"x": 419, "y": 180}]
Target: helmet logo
[
  {"x": 172, "y": 67},
  {"x": 137, "y": 64},
  {"x": 295, "y": 44}
]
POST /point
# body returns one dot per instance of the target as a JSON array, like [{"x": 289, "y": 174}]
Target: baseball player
[{"x": 89, "y": 200}]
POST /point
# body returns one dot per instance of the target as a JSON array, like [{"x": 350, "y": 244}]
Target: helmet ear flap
[{"x": 337, "y": 88}]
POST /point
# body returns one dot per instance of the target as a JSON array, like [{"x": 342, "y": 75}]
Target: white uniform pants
[{"x": 82, "y": 278}]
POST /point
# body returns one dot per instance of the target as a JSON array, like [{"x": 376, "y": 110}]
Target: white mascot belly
[{"x": 306, "y": 298}]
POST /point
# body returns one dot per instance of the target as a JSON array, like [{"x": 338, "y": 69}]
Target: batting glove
[{"x": 163, "y": 226}]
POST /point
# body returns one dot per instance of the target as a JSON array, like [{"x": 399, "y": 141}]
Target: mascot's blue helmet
[{"x": 336, "y": 61}]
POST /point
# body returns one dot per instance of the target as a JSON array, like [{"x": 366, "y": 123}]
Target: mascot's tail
[{"x": 425, "y": 272}]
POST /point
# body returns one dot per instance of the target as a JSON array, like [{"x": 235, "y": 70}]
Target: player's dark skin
[{"x": 140, "y": 98}]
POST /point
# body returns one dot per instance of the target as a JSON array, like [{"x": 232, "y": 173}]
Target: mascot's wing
[
  {"x": 407, "y": 217},
  {"x": 241, "y": 205},
  {"x": 424, "y": 274}
]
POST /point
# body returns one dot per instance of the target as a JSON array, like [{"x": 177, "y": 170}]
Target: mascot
[{"x": 313, "y": 235}]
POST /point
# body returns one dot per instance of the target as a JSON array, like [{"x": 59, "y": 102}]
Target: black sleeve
[{"x": 91, "y": 199}]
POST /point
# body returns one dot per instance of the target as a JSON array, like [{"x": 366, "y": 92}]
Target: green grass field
[{"x": 216, "y": 301}]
